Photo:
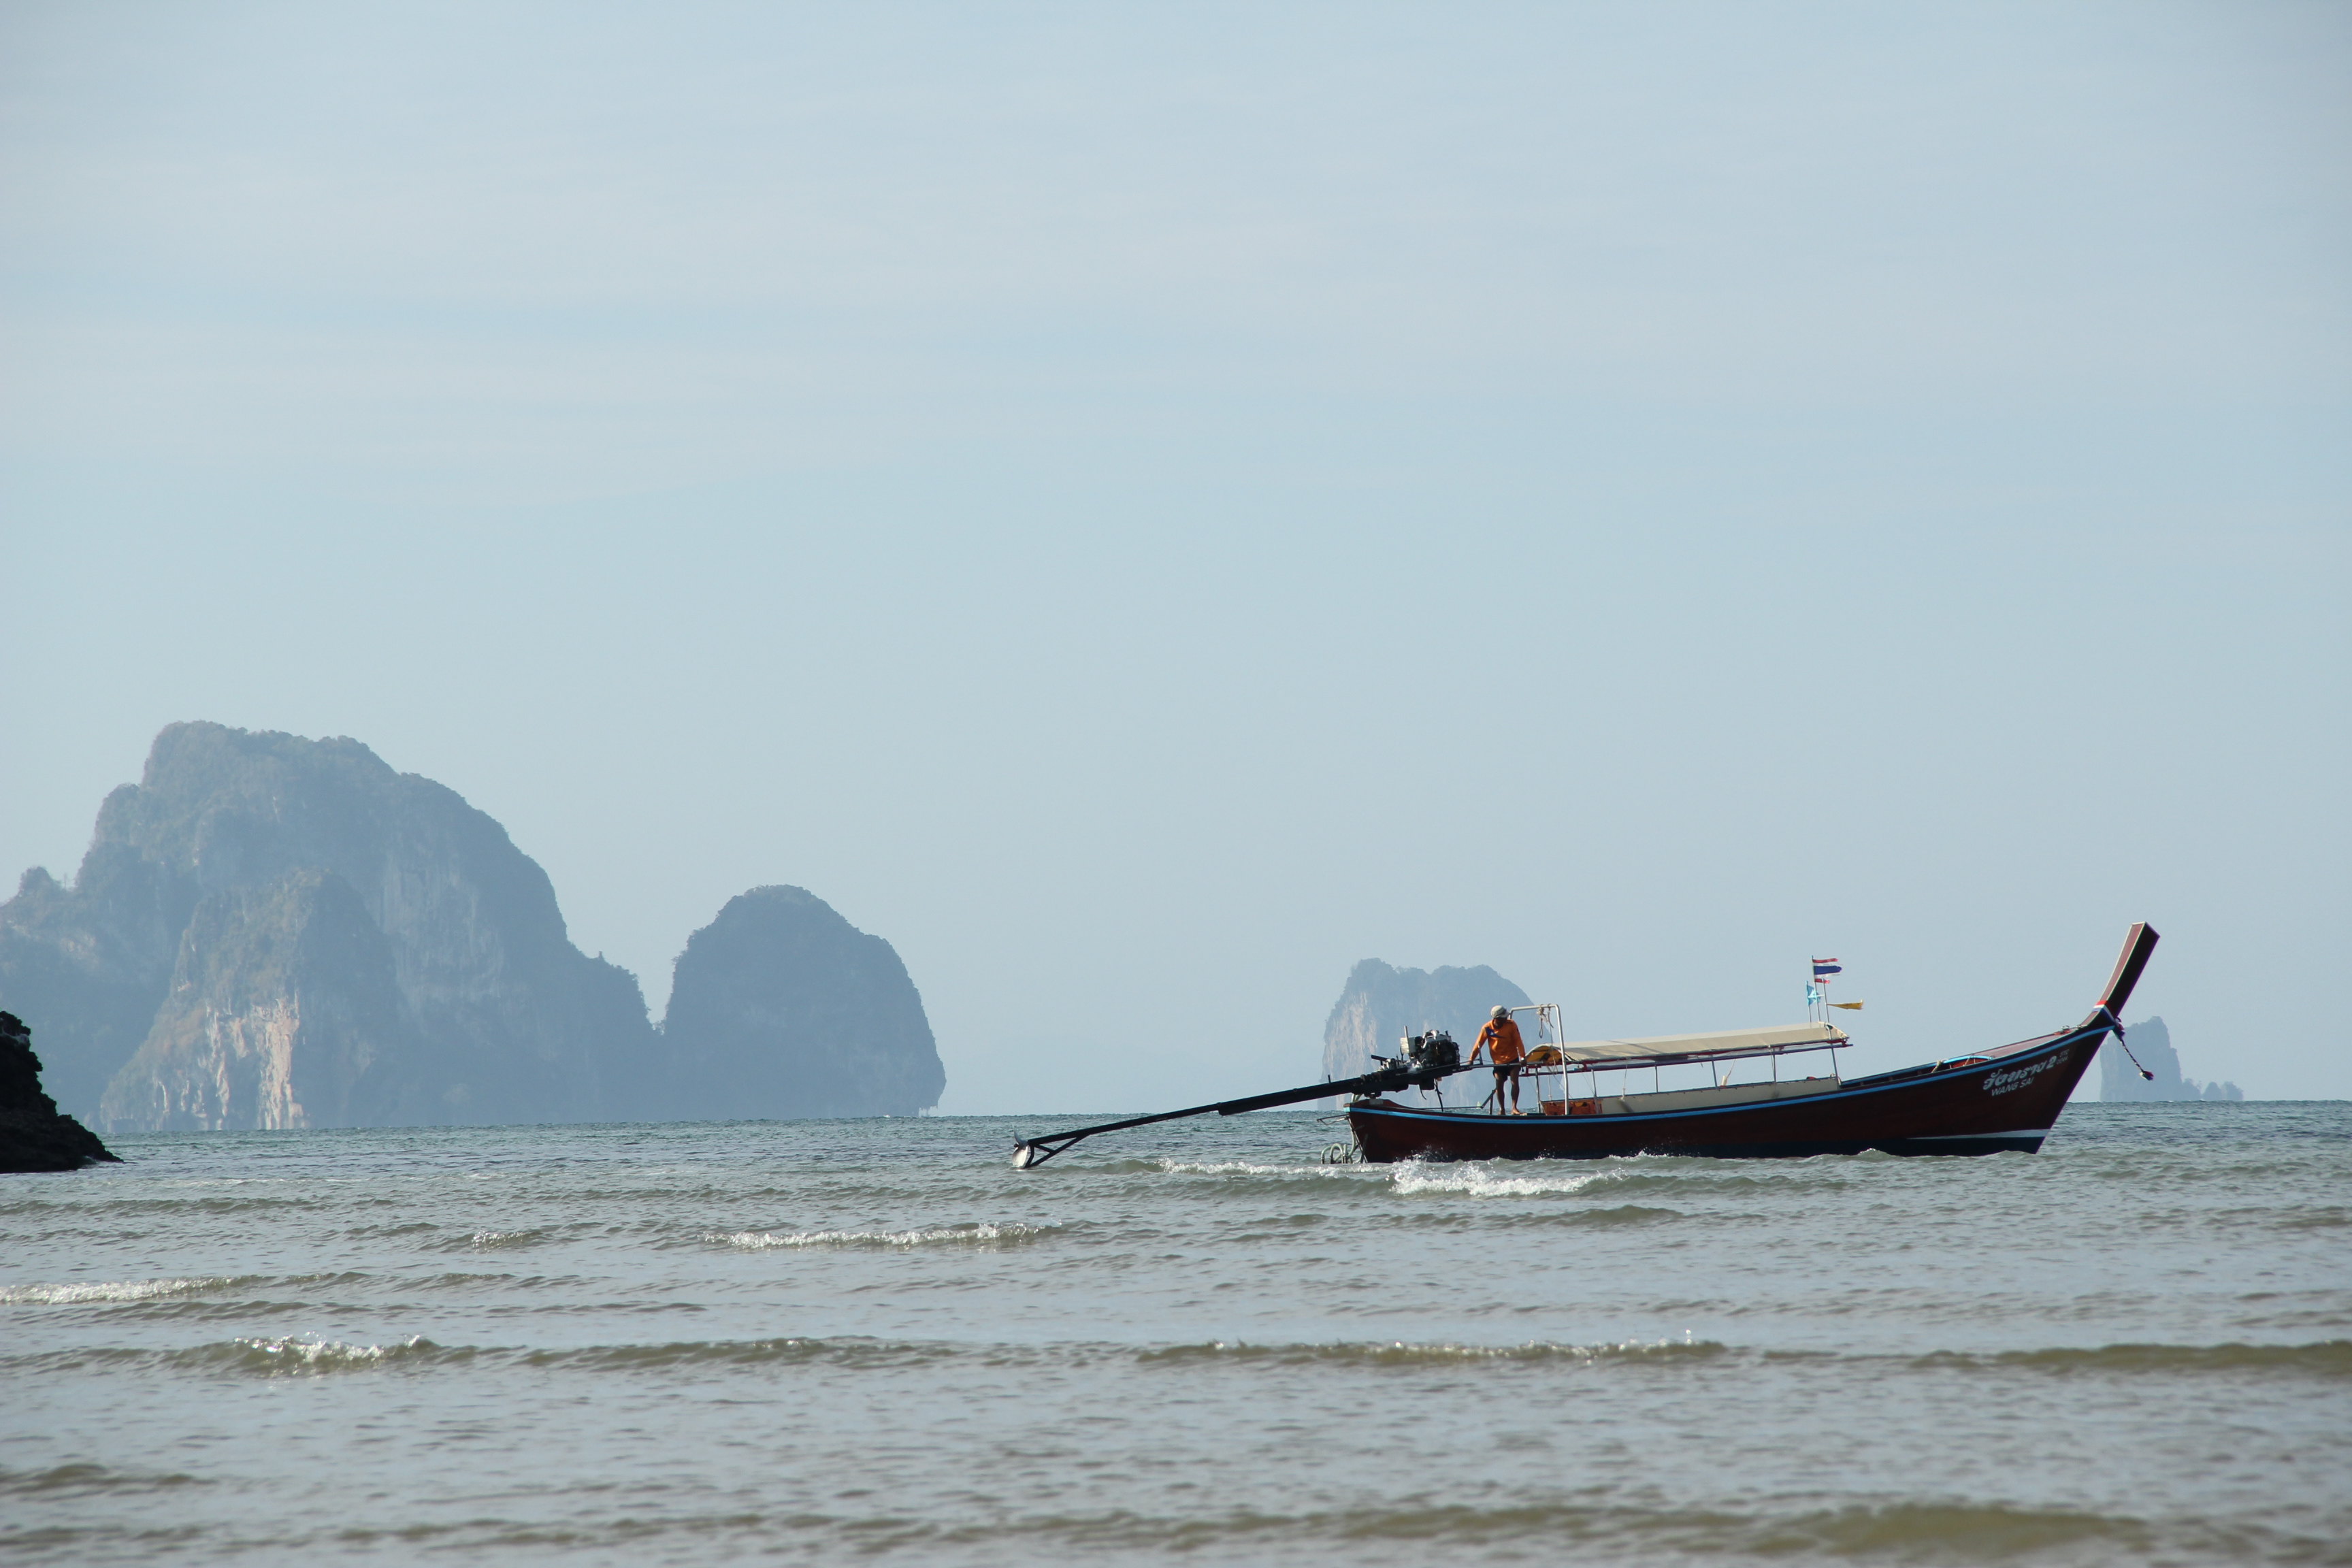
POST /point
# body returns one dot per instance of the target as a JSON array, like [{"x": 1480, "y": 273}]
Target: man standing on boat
[{"x": 1500, "y": 1040}]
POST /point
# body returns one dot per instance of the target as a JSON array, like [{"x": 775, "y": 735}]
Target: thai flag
[{"x": 1825, "y": 967}]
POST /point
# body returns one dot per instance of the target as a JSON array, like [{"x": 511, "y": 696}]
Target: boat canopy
[{"x": 1664, "y": 1049}]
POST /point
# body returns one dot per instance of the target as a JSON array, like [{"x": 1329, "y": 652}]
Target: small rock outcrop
[
  {"x": 781, "y": 1008},
  {"x": 1381, "y": 1003},
  {"x": 34, "y": 1135},
  {"x": 2151, "y": 1042}
]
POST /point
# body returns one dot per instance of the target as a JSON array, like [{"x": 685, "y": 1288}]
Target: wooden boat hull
[{"x": 2005, "y": 1101}]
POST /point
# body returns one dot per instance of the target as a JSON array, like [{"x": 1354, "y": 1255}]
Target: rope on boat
[{"x": 2117, "y": 1026}]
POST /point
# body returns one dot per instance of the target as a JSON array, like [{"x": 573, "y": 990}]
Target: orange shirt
[{"x": 1501, "y": 1039}]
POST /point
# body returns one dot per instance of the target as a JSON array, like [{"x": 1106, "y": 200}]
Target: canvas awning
[{"x": 1715, "y": 1046}]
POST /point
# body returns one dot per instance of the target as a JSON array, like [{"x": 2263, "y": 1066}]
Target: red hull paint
[{"x": 2007, "y": 1099}]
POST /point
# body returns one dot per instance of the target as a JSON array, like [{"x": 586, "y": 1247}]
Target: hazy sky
[{"x": 1146, "y": 507}]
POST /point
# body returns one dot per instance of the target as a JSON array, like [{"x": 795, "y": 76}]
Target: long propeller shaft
[{"x": 1031, "y": 1152}]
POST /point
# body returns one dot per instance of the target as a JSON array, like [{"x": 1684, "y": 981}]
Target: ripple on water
[
  {"x": 853, "y": 1351},
  {"x": 305, "y": 1356},
  {"x": 504, "y": 1241},
  {"x": 110, "y": 1292},
  {"x": 1487, "y": 1182},
  {"x": 1401, "y": 1531},
  {"x": 290, "y": 1357},
  {"x": 1399, "y": 1353},
  {"x": 2325, "y": 1358},
  {"x": 1404, "y": 1530},
  {"x": 1235, "y": 1168},
  {"x": 948, "y": 1234},
  {"x": 1230, "y": 1354},
  {"x": 88, "y": 1480}
]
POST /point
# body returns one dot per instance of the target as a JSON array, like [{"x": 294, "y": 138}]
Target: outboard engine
[
  {"x": 1434, "y": 1050},
  {"x": 1426, "y": 1059}
]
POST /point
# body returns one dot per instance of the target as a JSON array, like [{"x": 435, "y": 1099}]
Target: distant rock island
[
  {"x": 780, "y": 1007},
  {"x": 33, "y": 1136},
  {"x": 2151, "y": 1042},
  {"x": 272, "y": 931},
  {"x": 1379, "y": 1004}
]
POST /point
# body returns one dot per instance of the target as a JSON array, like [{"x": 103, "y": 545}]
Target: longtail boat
[{"x": 2001, "y": 1100}]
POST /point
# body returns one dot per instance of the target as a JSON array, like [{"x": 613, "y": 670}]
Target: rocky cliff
[
  {"x": 2151, "y": 1042},
  {"x": 269, "y": 930},
  {"x": 88, "y": 965},
  {"x": 781, "y": 1008},
  {"x": 283, "y": 1011},
  {"x": 1379, "y": 1004},
  {"x": 33, "y": 1135}
]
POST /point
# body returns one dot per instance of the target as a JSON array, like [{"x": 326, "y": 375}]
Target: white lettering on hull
[{"x": 2009, "y": 1078}]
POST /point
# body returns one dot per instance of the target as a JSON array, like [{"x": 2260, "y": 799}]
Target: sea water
[{"x": 875, "y": 1340}]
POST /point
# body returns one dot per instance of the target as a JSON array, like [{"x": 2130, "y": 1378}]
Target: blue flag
[{"x": 1825, "y": 967}]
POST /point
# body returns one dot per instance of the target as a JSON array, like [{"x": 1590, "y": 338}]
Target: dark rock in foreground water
[
  {"x": 781, "y": 1008},
  {"x": 33, "y": 1135}
]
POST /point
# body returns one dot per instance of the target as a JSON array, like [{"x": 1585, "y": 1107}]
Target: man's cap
[{"x": 1502, "y": 1012}]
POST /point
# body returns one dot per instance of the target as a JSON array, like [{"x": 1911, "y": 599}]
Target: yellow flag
[{"x": 1849, "y": 1006}]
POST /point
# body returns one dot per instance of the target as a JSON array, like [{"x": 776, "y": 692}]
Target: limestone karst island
[{"x": 270, "y": 932}]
